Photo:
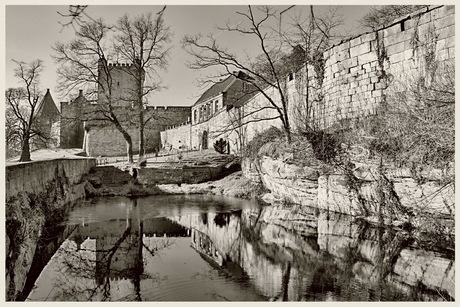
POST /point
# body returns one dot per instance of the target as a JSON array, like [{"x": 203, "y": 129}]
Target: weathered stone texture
[{"x": 33, "y": 177}]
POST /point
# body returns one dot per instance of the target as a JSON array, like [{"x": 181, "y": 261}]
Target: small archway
[{"x": 204, "y": 140}]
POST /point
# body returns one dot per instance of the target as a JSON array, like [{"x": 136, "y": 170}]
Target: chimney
[
  {"x": 47, "y": 90},
  {"x": 80, "y": 93}
]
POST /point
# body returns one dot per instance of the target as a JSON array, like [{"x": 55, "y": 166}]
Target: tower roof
[
  {"x": 47, "y": 107},
  {"x": 80, "y": 98}
]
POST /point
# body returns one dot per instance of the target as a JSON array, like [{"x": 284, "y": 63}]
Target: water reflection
[{"x": 195, "y": 248}]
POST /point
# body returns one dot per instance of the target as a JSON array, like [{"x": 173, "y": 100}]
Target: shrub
[
  {"x": 220, "y": 146},
  {"x": 326, "y": 146},
  {"x": 271, "y": 134}
]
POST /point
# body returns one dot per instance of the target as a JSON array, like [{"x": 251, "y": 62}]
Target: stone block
[
  {"x": 366, "y": 67},
  {"x": 360, "y": 49},
  {"x": 442, "y": 55},
  {"x": 424, "y": 18},
  {"x": 408, "y": 44},
  {"x": 335, "y": 68},
  {"x": 435, "y": 14},
  {"x": 396, "y": 58},
  {"x": 408, "y": 54},
  {"x": 367, "y": 58},
  {"x": 449, "y": 42},
  {"x": 451, "y": 53},
  {"x": 376, "y": 93},
  {"x": 440, "y": 44},
  {"x": 368, "y": 37},
  {"x": 398, "y": 38},
  {"x": 396, "y": 48},
  {"x": 395, "y": 29},
  {"x": 444, "y": 22},
  {"x": 355, "y": 42},
  {"x": 410, "y": 23},
  {"x": 364, "y": 82},
  {"x": 446, "y": 32}
]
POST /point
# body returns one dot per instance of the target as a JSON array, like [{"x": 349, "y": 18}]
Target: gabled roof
[
  {"x": 222, "y": 86},
  {"x": 80, "y": 99},
  {"x": 216, "y": 89},
  {"x": 47, "y": 107}
]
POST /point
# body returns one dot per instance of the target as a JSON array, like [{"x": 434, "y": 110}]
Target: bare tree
[
  {"x": 22, "y": 105},
  {"x": 143, "y": 40},
  {"x": 310, "y": 37},
  {"x": 81, "y": 63},
  {"x": 267, "y": 74}
]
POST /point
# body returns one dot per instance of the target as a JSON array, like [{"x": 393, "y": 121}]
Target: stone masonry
[{"x": 359, "y": 75}]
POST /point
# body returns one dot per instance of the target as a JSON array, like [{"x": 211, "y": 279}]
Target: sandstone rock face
[
  {"x": 289, "y": 182},
  {"x": 365, "y": 191}
]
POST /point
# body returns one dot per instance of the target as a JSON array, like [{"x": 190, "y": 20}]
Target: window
[
  {"x": 195, "y": 119},
  {"x": 216, "y": 107},
  {"x": 291, "y": 77},
  {"x": 245, "y": 86}
]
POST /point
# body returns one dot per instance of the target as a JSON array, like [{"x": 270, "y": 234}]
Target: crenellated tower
[{"x": 118, "y": 81}]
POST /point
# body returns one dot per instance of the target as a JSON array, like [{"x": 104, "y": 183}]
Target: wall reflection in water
[{"x": 286, "y": 253}]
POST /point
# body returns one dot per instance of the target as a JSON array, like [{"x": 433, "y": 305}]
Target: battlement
[
  {"x": 119, "y": 64},
  {"x": 179, "y": 108}
]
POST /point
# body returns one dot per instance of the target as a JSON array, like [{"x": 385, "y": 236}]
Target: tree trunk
[
  {"x": 141, "y": 133},
  {"x": 25, "y": 151},
  {"x": 129, "y": 149},
  {"x": 140, "y": 109},
  {"x": 129, "y": 142}
]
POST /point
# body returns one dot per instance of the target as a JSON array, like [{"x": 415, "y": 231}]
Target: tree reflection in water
[
  {"x": 281, "y": 253},
  {"x": 95, "y": 256}
]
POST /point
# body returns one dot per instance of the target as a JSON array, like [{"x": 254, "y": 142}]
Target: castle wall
[
  {"x": 105, "y": 140},
  {"x": 359, "y": 75},
  {"x": 362, "y": 72}
]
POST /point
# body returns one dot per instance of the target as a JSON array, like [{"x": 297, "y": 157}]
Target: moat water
[{"x": 203, "y": 248}]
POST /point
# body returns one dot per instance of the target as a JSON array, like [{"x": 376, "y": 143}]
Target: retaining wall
[{"x": 33, "y": 177}]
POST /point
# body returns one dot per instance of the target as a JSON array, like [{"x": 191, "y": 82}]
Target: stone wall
[
  {"x": 33, "y": 177},
  {"x": 177, "y": 137},
  {"x": 103, "y": 139},
  {"x": 37, "y": 193},
  {"x": 359, "y": 74}
]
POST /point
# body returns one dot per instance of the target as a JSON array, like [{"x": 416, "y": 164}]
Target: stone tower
[{"x": 121, "y": 85}]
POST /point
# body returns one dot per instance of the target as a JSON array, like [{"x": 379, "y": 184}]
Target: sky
[{"x": 32, "y": 30}]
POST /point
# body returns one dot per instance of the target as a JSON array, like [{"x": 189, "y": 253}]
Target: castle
[
  {"x": 84, "y": 124},
  {"x": 358, "y": 75}
]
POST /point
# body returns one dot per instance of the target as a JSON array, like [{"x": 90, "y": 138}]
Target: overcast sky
[{"x": 31, "y": 31}]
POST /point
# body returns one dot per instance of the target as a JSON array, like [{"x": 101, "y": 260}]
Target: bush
[
  {"x": 271, "y": 134},
  {"x": 220, "y": 146},
  {"x": 326, "y": 146}
]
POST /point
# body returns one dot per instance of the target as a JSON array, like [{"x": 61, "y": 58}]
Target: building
[
  {"x": 47, "y": 121},
  {"x": 84, "y": 123}
]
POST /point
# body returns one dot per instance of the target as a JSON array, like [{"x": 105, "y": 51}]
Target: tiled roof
[
  {"x": 216, "y": 89},
  {"x": 47, "y": 106}
]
